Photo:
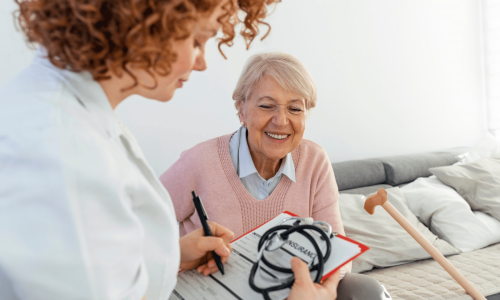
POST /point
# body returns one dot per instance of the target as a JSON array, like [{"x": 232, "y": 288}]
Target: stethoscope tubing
[{"x": 289, "y": 229}]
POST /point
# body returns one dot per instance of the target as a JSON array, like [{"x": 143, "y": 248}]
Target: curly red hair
[{"x": 107, "y": 35}]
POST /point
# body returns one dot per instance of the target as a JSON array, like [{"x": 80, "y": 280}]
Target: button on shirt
[
  {"x": 257, "y": 186},
  {"x": 82, "y": 214}
]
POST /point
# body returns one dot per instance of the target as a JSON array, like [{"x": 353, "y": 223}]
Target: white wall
[
  {"x": 394, "y": 77},
  {"x": 14, "y": 54},
  {"x": 491, "y": 50}
]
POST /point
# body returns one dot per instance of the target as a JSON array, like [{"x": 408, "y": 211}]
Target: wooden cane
[{"x": 380, "y": 198}]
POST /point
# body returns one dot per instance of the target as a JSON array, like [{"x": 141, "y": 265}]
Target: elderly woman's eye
[
  {"x": 266, "y": 106},
  {"x": 296, "y": 110}
]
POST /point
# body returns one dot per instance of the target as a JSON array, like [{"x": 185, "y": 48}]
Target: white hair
[{"x": 287, "y": 70}]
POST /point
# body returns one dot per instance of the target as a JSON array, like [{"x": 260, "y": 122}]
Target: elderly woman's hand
[
  {"x": 196, "y": 248},
  {"x": 305, "y": 288}
]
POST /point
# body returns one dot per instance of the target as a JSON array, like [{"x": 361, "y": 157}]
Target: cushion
[
  {"x": 406, "y": 168},
  {"x": 478, "y": 183},
  {"x": 389, "y": 243},
  {"x": 358, "y": 173},
  {"x": 367, "y": 190},
  {"x": 449, "y": 216},
  {"x": 487, "y": 146}
]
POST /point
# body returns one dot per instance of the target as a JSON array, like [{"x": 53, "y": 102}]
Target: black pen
[{"x": 202, "y": 213}]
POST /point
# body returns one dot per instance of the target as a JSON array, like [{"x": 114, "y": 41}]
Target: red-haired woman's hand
[
  {"x": 305, "y": 288},
  {"x": 196, "y": 248}
]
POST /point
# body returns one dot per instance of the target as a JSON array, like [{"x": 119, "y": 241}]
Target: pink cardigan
[{"x": 208, "y": 170}]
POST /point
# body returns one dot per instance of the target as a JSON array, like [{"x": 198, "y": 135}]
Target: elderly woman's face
[{"x": 275, "y": 119}]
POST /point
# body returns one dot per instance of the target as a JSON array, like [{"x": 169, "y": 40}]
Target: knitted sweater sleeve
[
  {"x": 326, "y": 206},
  {"x": 178, "y": 180}
]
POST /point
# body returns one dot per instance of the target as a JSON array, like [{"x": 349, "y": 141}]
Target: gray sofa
[{"x": 423, "y": 279}]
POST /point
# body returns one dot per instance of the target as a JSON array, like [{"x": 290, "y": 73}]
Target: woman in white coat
[{"x": 82, "y": 215}]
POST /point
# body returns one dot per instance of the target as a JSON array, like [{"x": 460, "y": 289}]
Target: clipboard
[{"x": 234, "y": 285}]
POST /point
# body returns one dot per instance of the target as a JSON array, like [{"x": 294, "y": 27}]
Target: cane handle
[{"x": 376, "y": 199}]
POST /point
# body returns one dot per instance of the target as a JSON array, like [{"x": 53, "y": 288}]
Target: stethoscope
[{"x": 276, "y": 237}]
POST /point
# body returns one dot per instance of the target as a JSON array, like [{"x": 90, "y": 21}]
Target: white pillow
[
  {"x": 449, "y": 216},
  {"x": 389, "y": 243},
  {"x": 478, "y": 183},
  {"x": 487, "y": 146}
]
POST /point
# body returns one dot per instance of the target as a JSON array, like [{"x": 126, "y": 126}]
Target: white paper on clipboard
[{"x": 234, "y": 284}]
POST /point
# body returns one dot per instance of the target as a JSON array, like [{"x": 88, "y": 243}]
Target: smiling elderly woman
[{"x": 266, "y": 167}]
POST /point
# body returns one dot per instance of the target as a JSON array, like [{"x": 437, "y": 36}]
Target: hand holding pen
[
  {"x": 197, "y": 248},
  {"x": 202, "y": 214}
]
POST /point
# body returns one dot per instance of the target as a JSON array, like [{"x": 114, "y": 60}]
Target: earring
[{"x": 242, "y": 124}]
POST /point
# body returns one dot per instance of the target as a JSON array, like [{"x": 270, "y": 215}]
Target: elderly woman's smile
[{"x": 278, "y": 136}]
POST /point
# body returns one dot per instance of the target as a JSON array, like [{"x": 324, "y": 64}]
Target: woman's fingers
[
  {"x": 207, "y": 270},
  {"x": 196, "y": 248},
  {"x": 225, "y": 258},
  {"x": 303, "y": 287},
  {"x": 210, "y": 267},
  {"x": 211, "y": 270},
  {"x": 301, "y": 272},
  {"x": 208, "y": 244},
  {"x": 332, "y": 282},
  {"x": 221, "y": 231},
  {"x": 201, "y": 268},
  {"x": 204, "y": 245}
]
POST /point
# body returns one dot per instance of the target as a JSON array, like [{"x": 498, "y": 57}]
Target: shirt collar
[
  {"x": 89, "y": 94},
  {"x": 247, "y": 167}
]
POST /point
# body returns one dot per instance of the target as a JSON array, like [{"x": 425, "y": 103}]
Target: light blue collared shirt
[{"x": 257, "y": 186}]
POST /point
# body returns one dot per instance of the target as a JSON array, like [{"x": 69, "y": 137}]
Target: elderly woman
[{"x": 266, "y": 167}]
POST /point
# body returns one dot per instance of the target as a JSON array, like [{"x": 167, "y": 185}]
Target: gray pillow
[
  {"x": 389, "y": 243},
  {"x": 406, "y": 168},
  {"x": 478, "y": 183},
  {"x": 357, "y": 173}
]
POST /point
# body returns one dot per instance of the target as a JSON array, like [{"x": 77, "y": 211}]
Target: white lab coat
[{"x": 82, "y": 214}]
